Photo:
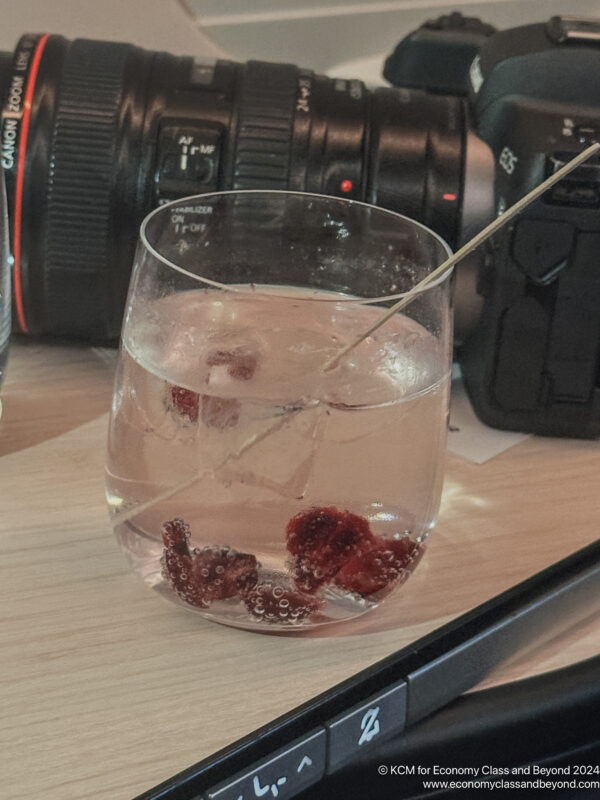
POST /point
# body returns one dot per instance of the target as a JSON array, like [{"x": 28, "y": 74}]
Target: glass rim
[{"x": 318, "y": 294}]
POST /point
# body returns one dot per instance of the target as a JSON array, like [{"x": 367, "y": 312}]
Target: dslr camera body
[
  {"x": 96, "y": 134},
  {"x": 531, "y": 359}
]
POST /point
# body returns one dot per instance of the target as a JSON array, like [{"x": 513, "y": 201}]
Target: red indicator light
[
  {"x": 450, "y": 196},
  {"x": 346, "y": 186}
]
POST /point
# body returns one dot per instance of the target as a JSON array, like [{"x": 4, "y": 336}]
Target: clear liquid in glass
[{"x": 222, "y": 417}]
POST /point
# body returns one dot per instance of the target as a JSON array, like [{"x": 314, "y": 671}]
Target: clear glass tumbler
[{"x": 247, "y": 481}]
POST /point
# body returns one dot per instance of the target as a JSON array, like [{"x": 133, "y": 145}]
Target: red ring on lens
[{"x": 20, "y": 181}]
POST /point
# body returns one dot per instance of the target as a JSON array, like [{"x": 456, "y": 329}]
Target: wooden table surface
[{"x": 107, "y": 689}]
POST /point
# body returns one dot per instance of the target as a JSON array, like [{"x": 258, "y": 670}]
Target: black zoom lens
[{"x": 95, "y": 134}]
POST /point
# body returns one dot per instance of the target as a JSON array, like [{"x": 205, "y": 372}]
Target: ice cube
[{"x": 264, "y": 456}]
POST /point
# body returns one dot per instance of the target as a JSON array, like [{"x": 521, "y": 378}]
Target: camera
[
  {"x": 531, "y": 360},
  {"x": 96, "y": 134}
]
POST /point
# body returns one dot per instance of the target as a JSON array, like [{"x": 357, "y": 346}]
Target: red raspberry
[
  {"x": 185, "y": 402},
  {"x": 178, "y": 571},
  {"x": 241, "y": 365},
  {"x": 202, "y": 575},
  {"x": 323, "y": 539},
  {"x": 388, "y": 563},
  {"x": 177, "y": 560},
  {"x": 220, "y": 412},
  {"x": 269, "y": 602},
  {"x": 176, "y": 536},
  {"x": 222, "y": 572}
]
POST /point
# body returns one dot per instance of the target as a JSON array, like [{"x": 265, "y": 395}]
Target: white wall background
[
  {"x": 325, "y": 34},
  {"x": 336, "y": 36}
]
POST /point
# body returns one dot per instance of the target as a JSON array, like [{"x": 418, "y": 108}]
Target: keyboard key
[
  {"x": 279, "y": 776},
  {"x": 381, "y": 716}
]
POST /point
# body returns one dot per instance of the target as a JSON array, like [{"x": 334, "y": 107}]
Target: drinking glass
[{"x": 248, "y": 479}]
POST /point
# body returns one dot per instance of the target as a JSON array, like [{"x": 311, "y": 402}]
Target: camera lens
[
  {"x": 72, "y": 140},
  {"x": 96, "y": 134},
  {"x": 415, "y": 161}
]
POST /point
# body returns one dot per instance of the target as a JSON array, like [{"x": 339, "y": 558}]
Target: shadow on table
[{"x": 52, "y": 388}]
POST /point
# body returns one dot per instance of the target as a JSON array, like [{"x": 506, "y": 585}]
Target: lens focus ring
[
  {"x": 81, "y": 173},
  {"x": 264, "y": 126}
]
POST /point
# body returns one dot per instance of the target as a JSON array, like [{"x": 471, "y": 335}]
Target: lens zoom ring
[
  {"x": 265, "y": 126},
  {"x": 83, "y": 155}
]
